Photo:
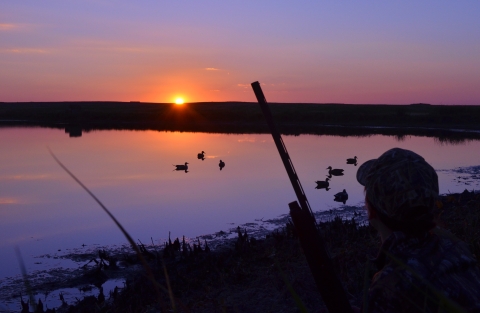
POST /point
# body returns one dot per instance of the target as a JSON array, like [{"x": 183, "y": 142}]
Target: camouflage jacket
[{"x": 434, "y": 273}]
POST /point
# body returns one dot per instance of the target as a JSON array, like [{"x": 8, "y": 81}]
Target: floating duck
[
  {"x": 201, "y": 156},
  {"x": 181, "y": 167},
  {"x": 334, "y": 172},
  {"x": 323, "y": 184},
  {"x": 221, "y": 164},
  {"x": 352, "y": 161},
  {"x": 341, "y": 196}
]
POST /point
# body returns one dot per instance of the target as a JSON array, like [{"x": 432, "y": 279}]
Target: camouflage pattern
[
  {"x": 417, "y": 273},
  {"x": 397, "y": 180}
]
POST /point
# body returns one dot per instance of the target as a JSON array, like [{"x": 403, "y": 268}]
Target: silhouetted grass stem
[{"x": 145, "y": 265}]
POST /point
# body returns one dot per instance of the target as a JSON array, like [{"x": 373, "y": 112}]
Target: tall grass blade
[
  {"x": 26, "y": 281},
  {"x": 295, "y": 296},
  {"x": 170, "y": 292},
  {"x": 366, "y": 285},
  {"x": 147, "y": 268}
]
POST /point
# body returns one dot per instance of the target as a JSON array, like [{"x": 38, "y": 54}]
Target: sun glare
[{"x": 179, "y": 101}]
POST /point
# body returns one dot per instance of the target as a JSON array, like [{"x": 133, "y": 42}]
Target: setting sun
[{"x": 179, "y": 101}]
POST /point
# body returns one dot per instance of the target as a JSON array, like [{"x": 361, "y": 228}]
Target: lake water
[{"x": 44, "y": 212}]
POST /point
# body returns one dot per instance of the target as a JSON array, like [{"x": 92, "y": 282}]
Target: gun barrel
[{"x": 320, "y": 264}]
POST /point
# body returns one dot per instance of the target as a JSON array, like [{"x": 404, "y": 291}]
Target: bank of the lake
[
  {"x": 255, "y": 275},
  {"x": 246, "y": 117}
]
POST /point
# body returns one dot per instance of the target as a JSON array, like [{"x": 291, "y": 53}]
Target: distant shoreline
[{"x": 441, "y": 121}]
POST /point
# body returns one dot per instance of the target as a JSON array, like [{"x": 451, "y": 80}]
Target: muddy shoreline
[
  {"x": 87, "y": 279},
  {"x": 246, "y": 275}
]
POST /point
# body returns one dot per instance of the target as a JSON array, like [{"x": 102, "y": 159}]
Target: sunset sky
[{"x": 396, "y": 52}]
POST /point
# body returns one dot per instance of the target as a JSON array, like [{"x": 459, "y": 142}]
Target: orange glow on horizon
[{"x": 179, "y": 101}]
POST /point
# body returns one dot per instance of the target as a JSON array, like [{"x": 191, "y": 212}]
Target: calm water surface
[{"x": 42, "y": 210}]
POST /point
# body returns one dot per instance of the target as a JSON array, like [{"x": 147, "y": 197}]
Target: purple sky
[{"x": 397, "y": 52}]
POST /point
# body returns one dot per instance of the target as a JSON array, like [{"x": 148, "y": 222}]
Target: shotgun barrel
[{"x": 321, "y": 266}]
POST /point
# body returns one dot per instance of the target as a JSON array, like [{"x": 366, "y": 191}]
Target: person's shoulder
[{"x": 437, "y": 264}]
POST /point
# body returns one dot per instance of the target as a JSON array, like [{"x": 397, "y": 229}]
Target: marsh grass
[
  {"x": 271, "y": 274},
  {"x": 460, "y": 213}
]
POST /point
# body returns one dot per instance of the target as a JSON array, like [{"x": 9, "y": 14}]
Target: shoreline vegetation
[
  {"x": 250, "y": 274},
  {"x": 451, "y": 123}
]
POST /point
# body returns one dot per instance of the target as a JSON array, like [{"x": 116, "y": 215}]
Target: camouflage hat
[{"x": 398, "y": 181}]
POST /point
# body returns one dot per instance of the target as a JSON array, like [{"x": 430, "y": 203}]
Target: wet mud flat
[
  {"x": 248, "y": 269},
  {"x": 465, "y": 176}
]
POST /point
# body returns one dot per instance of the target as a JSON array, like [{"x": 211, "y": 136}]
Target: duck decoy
[
  {"x": 334, "y": 172},
  {"x": 201, "y": 156},
  {"x": 341, "y": 196},
  {"x": 181, "y": 167},
  {"x": 352, "y": 161},
  {"x": 221, "y": 164},
  {"x": 323, "y": 184}
]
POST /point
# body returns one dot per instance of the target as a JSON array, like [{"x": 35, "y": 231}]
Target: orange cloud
[
  {"x": 8, "y": 201},
  {"x": 25, "y": 177},
  {"x": 24, "y": 51},
  {"x": 212, "y": 69},
  {"x": 6, "y": 27}
]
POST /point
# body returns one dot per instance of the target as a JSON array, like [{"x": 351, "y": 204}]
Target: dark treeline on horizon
[{"x": 446, "y": 122}]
